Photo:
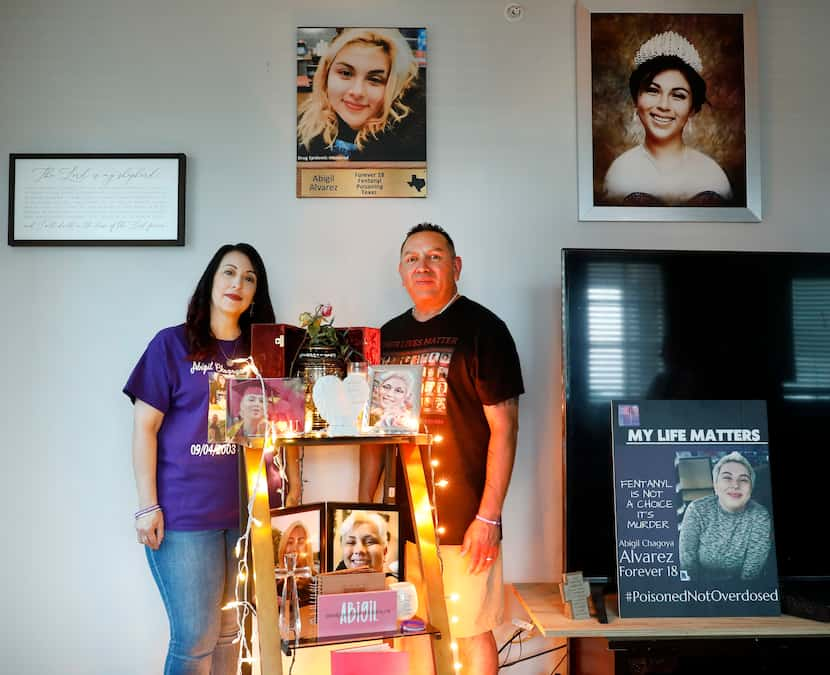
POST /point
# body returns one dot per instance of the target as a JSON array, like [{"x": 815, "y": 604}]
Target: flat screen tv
[{"x": 698, "y": 325}]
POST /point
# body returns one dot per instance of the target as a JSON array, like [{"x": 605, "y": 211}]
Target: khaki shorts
[{"x": 480, "y": 602}]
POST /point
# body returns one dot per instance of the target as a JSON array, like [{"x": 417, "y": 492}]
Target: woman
[
  {"x": 363, "y": 541},
  {"x": 726, "y": 536},
  {"x": 392, "y": 400},
  {"x": 365, "y": 101},
  {"x": 667, "y": 90},
  {"x": 188, "y": 515}
]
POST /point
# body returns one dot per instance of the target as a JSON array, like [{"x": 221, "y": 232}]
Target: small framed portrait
[
  {"x": 364, "y": 535},
  {"x": 361, "y": 111},
  {"x": 300, "y": 530},
  {"x": 668, "y": 112},
  {"x": 394, "y": 404},
  {"x": 253, "y": 403}
]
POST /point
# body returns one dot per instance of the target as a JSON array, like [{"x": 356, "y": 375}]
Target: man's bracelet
[
  {"x": 487, "y": 520},
  {"x": 147, "y": 510}
]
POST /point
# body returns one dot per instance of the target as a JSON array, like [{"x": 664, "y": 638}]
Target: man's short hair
[{"x": 429, "y": 227}]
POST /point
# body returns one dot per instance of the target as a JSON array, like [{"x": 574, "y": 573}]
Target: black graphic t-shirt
[{"x": 469, "y": 361}]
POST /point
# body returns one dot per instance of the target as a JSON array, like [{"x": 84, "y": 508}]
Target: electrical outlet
[{"x": 524, "y": 625}]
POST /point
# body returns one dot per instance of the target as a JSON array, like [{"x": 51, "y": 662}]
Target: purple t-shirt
[{"x": 197, "y": 481}]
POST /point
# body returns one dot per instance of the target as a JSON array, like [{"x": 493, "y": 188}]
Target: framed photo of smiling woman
[
  {"x": 394, "y": 405},
  {"x": 668, "y": 113},
  {"x": 364, "y": 536},
  {"x": 361, "y": 112}
]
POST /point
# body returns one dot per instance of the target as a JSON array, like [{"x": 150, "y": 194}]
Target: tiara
[{"x": 669, "y": 44}]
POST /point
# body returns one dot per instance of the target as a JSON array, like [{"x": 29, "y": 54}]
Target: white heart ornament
[{"x": 339, "y": 402}]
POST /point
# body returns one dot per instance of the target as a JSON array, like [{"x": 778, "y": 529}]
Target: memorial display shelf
[{"x": 411, "y": 447}]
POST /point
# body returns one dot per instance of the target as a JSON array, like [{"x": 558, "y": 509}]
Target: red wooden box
[
  {"x": 365, "y": 341},
  {"x": 274, "y": 346}
]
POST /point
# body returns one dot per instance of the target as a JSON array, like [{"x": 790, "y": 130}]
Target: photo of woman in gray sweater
[{"x": 728, "y": 535}]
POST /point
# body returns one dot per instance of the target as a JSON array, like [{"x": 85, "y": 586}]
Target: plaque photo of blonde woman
[
  {"x": 667, "y": 115},
  {"x": 361, "y": 112}
]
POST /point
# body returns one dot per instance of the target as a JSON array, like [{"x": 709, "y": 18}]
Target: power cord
[
  {"x": 521, "y": 627},
  {"x": 510, "y": 640},
  {"x": 509, "y": 644},
  {"x": 559, "y": 663},
  {"x": 533, "y": 656}
]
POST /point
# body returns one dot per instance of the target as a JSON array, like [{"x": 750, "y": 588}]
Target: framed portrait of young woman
[
  {"x": 253, "y": 404},
  {"x": 667, "y": 107}
]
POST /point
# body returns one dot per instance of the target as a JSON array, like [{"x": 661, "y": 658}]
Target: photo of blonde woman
[{"x": 361, "y": 94}]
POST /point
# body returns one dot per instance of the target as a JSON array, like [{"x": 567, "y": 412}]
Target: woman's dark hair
[
  {"x": 646, "y": 72},
  {"x": 200, "y": 340}
]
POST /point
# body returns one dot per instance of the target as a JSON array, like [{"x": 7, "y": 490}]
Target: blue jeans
[{"x": 196, "y": 575}]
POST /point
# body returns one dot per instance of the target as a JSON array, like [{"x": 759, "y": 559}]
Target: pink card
[
  {"x": 360, "y": 662},
  {"x": 354, "y": 613}
]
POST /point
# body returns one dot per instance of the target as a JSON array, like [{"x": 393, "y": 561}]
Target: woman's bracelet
[
  {"x": 487, "y": 520},
  {"x": 146, "y": 511}
]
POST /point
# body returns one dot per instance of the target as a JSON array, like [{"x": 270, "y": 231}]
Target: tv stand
[
  {"x": 656, "y": 646},
  {"x": 713, "y": 656}
]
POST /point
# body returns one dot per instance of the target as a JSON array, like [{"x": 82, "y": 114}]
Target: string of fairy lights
[
  {"x": 246, "y": 609},
  {"x": 453, "y": 597}
]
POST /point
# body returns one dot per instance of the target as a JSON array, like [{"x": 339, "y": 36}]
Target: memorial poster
[{"x": 693, "y": 509}]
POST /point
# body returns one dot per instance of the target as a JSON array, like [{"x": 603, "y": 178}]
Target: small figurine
[{"x": 575, "y": 591}]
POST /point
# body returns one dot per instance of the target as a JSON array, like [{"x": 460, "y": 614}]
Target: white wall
[{"x": 215, "y": 80}]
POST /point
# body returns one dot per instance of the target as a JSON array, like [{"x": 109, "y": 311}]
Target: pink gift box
[{"x": 360, "y": 662}]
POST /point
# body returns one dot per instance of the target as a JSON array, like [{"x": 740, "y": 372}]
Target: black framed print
[{"x": 97, "y": 199}]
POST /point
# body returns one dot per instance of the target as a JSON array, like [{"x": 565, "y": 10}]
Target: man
[{"x": 472, "y": 383}]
